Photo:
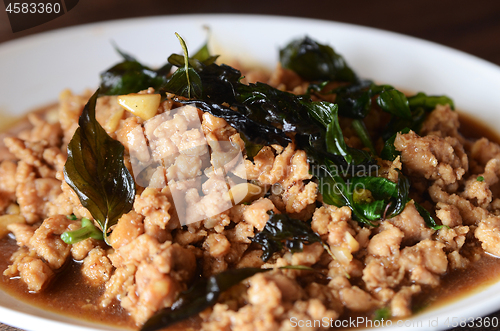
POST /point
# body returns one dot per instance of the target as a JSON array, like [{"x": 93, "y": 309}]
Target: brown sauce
[
  {"x": 70, "y": 295},
  {"x": 460, "y": 283},
  {"x": 473, "y": 128}
]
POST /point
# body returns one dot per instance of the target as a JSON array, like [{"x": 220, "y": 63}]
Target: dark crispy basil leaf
[
  {"x": 198, "y": 61},
  {"x": 253, "y": 131},
  {"x": 131, "y": 76},
  {"x": 266, "y": 116},
  {"x": 315, "y": 62},
  {"x": 219, "y": 82},
  {"x": 96, "y": 172},
  {"x": 251, "y": 148},
  {"x": 403, "y": 190},
  {"x": 179, "y": 85},
  {"x": 321, "y": 111},
  {"x": 335, "y": 142},
  {"x": 429, "y": 220},
  {"x": 287, "y": 111},
  {"x": 282, "y": 230},
  {"x": 203, "y": 294},
  {"x": 354, "y": 100}
]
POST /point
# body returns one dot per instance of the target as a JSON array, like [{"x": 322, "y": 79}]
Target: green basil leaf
[
  {"x": 429, "y": 220},
  {"x": 382, "y": 190},
  {"x": 364, "y": 136},
  {"x": 380, "y": 187},
  {"x": 180, "y": 85},
  {"x": 203, "y": 55},
  {"x": 315, "y": 62},
  {"x": 321, "y": 111},
  {"x": 403, "y": 191},
  {"x": 389, "y": 152},
  {"x": 203, "y": 294},
  {"x": 394, "y": 102},
  {"x": 397, "y": 124},
  {"x": 372, "y": 211},
  {"x": 96, "y": 172},
  {"x": 429, "y": 102},
  {"x": 335, "y": 142}
]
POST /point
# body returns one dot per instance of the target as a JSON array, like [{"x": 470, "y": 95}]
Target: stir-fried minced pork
[{"x": 159, "y": 248}]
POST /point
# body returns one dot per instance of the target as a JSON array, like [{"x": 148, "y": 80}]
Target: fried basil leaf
[
  {"x": 315, "y": 62},
  {"x": 420, "y": 106},
  {"x": 96, "y": 172},
  {"x": 287, "y": 111},
  {"x": 372, "y": 195},
  {"x": 403, "y": 190},
  {"x": 335, "y": 142},
  {"x": 200, "y": 59},
  {"x": 283, "y": 231},
  {"x": 429, "y": 102},
  {"x": 131, "y": 76},
  {"x": 186, "y": 83},
  {"x": 395, "y": 103},
  {"x": 364, "y": 136},
  {"x": 203, "y": 294},
  {"x": 389, "y": 152},
  {"x": 253, "y": 131},
  {"x": 429, "y": 220},
  {"x": 354, "y": 101}
]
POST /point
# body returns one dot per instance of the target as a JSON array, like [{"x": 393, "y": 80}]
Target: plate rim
[{"x": 26, "y": 40}]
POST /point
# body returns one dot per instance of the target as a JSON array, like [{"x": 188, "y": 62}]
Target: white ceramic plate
[{"x": 35, "y": 69}]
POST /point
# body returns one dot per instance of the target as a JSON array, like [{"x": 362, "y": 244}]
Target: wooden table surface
[{"x": 469, "y": 26}]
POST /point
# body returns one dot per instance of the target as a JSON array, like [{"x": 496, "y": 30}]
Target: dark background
[{"x": 470, "y": 26}]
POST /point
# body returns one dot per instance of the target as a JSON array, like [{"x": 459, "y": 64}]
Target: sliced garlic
[
  {"x": 9, "y": 219},
  {"x": 353, "y": 243},
  {"x": 342, "y": 254},
  {"x": 245, "y": 192},
  {"x": 13, "y": 209},
  {"x": 143, "y": 105},
  {"x": 113, "y": 121}
]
